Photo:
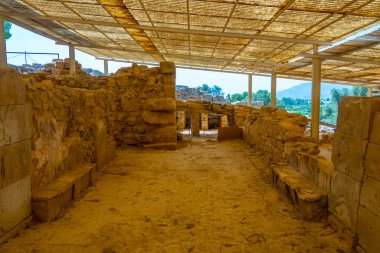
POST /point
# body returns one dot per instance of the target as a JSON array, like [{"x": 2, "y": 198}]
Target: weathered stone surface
[
  {"x": 14, "y": 162},
  {"x": 49, "y": 203},
  {"x": 159, "y": 118},
  {"x": 370, "y": 195},
  {"x": 195, "y": 124},
  {"x": 167, "y": 67},
  {"x": 12, "y": 89},
  {"x": 14, "y": 124},
  {"x": 371, "y": 164},
  {"x": 181, "y": 120},
  {"x": 14, "y": 204},
  {"x": 356, "y": 115},
  {"x": 160, "y": 104},
  {"x": 308, "y": 198},
  {"x": 230, "y": 133},
  {"x": 368, "y": 230},
  {"x": 348, "y": 155},
  {"x": 375, "y": 130},
  {"x": 344, "y": 198}
]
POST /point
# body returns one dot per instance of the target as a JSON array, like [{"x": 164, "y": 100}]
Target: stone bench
[
  {"x": 50, "y": 202},
  {"x": 308, "y": 198}
]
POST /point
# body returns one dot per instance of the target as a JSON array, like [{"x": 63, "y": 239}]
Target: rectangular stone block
[
  {"x": 230, "y": 133},
  {"x": 344, "y": 199},
  {"x": 370, "y": 195},
  {"x": 368, "y": 231},
  {"x": 160, "y": 104},
  {"x": 348, "y": 154},
  {"x": 371, "y": 163},
  {"x": 356, "y": 115},
  {"x": 167, "y": 67},
  {"x": 14, "y": 162},
  {"x": 12, "y": 89},
  {"x": 375, "y": 131},
  {"x": 159, "y": 118},
  {"x": 14, "y": 124},
  {"x": 15, "y": 203},
  {"x": 195, "y": 117}
]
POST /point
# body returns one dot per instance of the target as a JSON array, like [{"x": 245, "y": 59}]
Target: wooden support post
[
  {"x": 316, "y": 96},
  {"x": 106, "y": 67},
  {"x": 249, "y": 89},
  {"x": 3, "y": 47},
  {"x": 273, "y": 90},
  {"x": 195, "y": 124},
  {"x": 72, "y": 59}
]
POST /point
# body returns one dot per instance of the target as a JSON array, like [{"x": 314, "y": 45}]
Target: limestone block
[
  {"x": 344, "y": 198},
  {"x": 375, "y": 131},
  {"x": 230, "y": 133},
  {"x": 15, "y": 204},
  {"x": 169, "y": 91},
  {"x": 12, "y": 89},
  {"x": 159, "y": 118},
  {"x": 105, "y": 146},
  {"x": 348, "y": 155},
  {"x": 14, "y": 124},
  {"x": 167, "y": 67},
  {"x": 368, "y": 230},
  {"x": 14, "y": 162},
  {"x": 371, "y": 164},
  {"x": 356, "y": 115},
  {"x": 370, "y": 195},
  {"x": 195, "y": 117},
  {"x": 181, "y": 120},
  {"x": 160, "y": 104},
  {"x": 131, "y": 104}
]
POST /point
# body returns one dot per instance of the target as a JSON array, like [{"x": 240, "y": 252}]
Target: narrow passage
[{"x": 207, "y": 196}]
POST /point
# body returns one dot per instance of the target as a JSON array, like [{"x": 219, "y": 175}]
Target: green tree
[
  {"x": 216, "y": 90},
  {"x": 228, "y": 97},
  {"x": 263, "y": 95},
  {"x": 7, "y": 28},
  {"x": 205, "y": 88},
  {"x": 336, "y": 96},
  {"x": 359, "y": 91}
]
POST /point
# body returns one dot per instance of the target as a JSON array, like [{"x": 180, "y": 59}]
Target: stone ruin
[
  {"x": 208, "y": 121},
  {"x": 51, "y": 123}
]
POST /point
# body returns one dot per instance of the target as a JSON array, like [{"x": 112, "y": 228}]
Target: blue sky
[{"x": 23, "y": 40}]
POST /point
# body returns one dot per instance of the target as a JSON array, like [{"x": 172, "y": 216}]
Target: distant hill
[{"x": 303, "y": 90}]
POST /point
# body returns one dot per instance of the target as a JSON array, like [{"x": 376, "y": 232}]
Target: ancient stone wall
[
  {"x": 15, "y": 180},
  {"x": 70, "y": 126},
  {"x": 77, "y": 119},
  {"x": 277, "y": 133},
  {"x": 146, "y": 106},
  {"x": 355, "y": 185}
]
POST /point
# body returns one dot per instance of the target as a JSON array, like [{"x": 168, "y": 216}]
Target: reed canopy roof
[{"x": 247, "y": 36}]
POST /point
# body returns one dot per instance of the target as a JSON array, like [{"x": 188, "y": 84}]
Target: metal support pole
[
  {"x": 72, "y": 59},
  {"x": 249, "y": 89},
  {"x": 3, "y": 47},
  {"x": 106, "y": 67},
  {"x": 273, "y": 90},
  {"x": 369, "y": 92},
  {"x": 316, "y": 96}
]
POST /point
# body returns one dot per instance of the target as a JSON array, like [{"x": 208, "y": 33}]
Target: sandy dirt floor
[{"x": 207, "y": 196}]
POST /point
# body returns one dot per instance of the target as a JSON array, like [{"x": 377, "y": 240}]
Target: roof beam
[
  {"x": 190, "y": 57},
  {"x": 264, "y": 74},
  {"x": 168, "y": 29},
  {"x": 339, "y": 58}
]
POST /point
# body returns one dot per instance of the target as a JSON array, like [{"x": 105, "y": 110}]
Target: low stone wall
[
  {"x": 70, "y": 126},
  {"x": 277, "y": 133},
  {"x": 15, "y": 180},
  {"x": 355, "y": 185}
]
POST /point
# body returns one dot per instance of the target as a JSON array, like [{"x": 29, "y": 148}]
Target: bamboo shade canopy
[{"x": 246, "y": 36}]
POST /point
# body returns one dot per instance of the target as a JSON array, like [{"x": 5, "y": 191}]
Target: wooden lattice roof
[{"x": 240, "y": 36}]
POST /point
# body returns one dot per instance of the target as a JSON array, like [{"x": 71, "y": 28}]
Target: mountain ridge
[{"x": 303, "y": 91}]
